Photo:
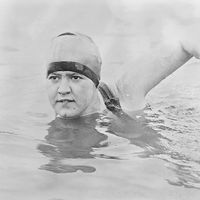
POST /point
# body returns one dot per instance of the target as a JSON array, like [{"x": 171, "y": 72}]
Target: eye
[
  {"x": 76, "y": 77},
  {"x": 53, "y": 78}
]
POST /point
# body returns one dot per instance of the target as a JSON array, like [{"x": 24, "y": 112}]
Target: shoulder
[{"x": 190, "y": 39}]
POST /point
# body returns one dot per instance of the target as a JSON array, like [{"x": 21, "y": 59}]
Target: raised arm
[{"x": 163, "y": 54}]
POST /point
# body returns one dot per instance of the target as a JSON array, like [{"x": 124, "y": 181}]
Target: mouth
[{"x": 65, "y": 101}]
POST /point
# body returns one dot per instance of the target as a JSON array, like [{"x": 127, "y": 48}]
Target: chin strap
[{"x": 111, "y": 101}]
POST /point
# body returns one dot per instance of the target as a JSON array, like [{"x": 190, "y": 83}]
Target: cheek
[
  {"x": 51, "y": 91},
  {"x": 87, "y": 94},
  {"x": 82, "y": 93}
]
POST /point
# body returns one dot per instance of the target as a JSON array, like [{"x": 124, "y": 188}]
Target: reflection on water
[
  {"x": 89, "y": 138},
  {"x": 73, "y": 138},
  {"x": 181, "y": 126},
  {"x": 82, "y": 137}
]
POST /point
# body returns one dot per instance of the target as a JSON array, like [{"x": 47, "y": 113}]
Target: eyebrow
[
  {"x": 54, "y": 73},
  {"x": 70, "y": 74}
]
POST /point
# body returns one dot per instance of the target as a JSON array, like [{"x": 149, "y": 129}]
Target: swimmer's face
[{"x": 71, "y": 94}]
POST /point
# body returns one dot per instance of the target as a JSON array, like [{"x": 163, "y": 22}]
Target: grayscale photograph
[{"x": 99, "y": 100}]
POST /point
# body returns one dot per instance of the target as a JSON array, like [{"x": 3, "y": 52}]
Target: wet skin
[{"x": 72, "y": 94}]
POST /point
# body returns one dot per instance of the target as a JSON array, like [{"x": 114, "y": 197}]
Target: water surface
[{"x": 155, "y": 155}]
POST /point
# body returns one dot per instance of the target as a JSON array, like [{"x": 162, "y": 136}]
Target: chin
[{"x": 68, "y": 114}]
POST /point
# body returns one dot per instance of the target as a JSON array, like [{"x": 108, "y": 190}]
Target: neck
[{"x": 95, "y": 105}]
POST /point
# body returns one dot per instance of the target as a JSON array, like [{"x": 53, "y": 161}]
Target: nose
[{"x": 64, "y": 87}]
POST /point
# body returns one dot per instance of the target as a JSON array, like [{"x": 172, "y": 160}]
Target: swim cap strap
[
  {"x": 111, "y": 101},
  {"x": 75, "y": 67}
]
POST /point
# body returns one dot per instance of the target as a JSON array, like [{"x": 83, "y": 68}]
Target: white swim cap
[{"x": 75, "y": 52}]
